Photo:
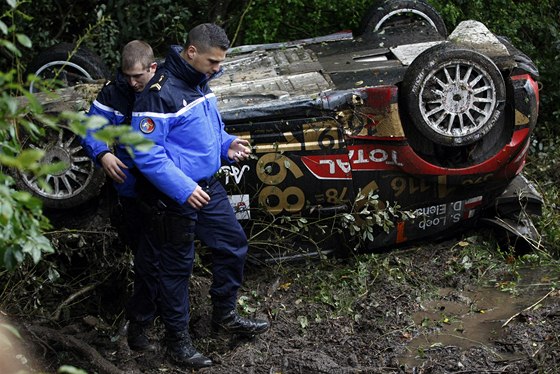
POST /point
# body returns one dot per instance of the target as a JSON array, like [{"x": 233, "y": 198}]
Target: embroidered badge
[{"x": 147, "y": 125}]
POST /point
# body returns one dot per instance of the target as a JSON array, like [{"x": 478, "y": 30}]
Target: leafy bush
[
  {"x": 22, "y": 223},
  {"x": 280, "y": 20},
  {"x": 21, "y": 219}
]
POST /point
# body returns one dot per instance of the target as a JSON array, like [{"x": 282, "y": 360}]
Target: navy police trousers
[{"x": 164, "y": 259}]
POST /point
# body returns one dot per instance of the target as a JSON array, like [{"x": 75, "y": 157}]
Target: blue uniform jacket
[
  {"x": 114, "y": 102},
  {"x": 179, "y": 113}
]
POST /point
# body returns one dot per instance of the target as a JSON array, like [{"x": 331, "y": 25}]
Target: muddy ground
[{"x": 458, "y": 306}]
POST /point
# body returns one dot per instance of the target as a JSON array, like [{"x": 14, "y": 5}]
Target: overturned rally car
[{"x": 398, "y": 113}]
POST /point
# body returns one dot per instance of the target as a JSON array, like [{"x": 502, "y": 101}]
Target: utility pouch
[
  {"x": 170, "y": 227},
  {"x": 179, "y": 230}
]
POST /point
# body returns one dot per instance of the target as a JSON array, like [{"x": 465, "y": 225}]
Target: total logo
[
  {"x": 340, "y": 166},
  {"x": 361, "y": 159}
]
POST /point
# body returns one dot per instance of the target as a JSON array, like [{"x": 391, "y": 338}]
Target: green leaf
[
  {"x": 11, "y": 47},
  {"x": 11, "y": 104},
  {"x": 30, "y": 156},
  {"x": 12, "y": 3},
  {"x": 136, "y": 139},
  {"x": 3, "y": 28},
  {"x": 67, "y": 369},
  {"x": 109, "y": 133},
  {"x": 74, "y": 116},
  {"x": 22, "y": 196},
  {"x": 6, "y": 212},
  {"x": 96, "y": 122},
  {"x": 78, "y": 128},
  {"x": 9, "y": 161},
  {"x": 53, "y": 168},
  {"x": 24, "y": 40}
]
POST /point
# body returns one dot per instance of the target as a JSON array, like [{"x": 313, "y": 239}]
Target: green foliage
[
  {"x": 22, "y": 223},
  {"x": 21, "y": 218},
  {"x": 543, "y": 168},
  {"x": 112, "y": 23},
  {"x": 278, "y": 20},
  {"x": 341, "y": 288},
  {"x": 369, "y": 217},
  {"x": 159, "y": 22}
]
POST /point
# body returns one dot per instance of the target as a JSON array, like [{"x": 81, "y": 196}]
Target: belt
[{"x": 207, "y": 182}]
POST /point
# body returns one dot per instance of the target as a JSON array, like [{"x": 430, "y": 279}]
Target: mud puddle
[{"x": 475, "y": 317}]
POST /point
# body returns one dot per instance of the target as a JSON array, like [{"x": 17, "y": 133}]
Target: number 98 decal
[{"x": 272, "y": 169}]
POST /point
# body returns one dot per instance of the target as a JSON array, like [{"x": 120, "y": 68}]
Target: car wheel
[
  {"x": 66, "y": 64},
  {"x": 382, "y": 14},
  {"x": 77, "y": 183},
  {"x": 454, "y": 95}
]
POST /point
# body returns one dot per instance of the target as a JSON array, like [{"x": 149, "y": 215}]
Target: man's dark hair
[{"x": 206, "y": 36}]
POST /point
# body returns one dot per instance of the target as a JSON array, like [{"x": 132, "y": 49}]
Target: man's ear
[{"x": 191, "y": 51}]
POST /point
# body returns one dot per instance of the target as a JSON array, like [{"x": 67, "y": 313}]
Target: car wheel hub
[
  {"x": 458, "y": 99},
  {"x": 58, "y": 154},
  {"x": 70, "y": 180}
]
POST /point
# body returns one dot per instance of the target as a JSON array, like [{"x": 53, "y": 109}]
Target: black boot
[
  {"x": 137, "y": 339},
  {"x": 233, "y": 323},
  {"x": 182, "y": 351}
]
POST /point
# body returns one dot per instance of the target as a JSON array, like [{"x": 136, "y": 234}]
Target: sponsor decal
[
  {"x": 328, "y": 166},
  {"x": 241, "y": 206},
  {"x": 436, "y": 217},
  {"x": 147, "y": 125},
  {"x": 232, "y": 171}
]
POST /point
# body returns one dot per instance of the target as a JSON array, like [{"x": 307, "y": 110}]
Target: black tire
[
  {"x": 442, "y": 106},
  {"x": 71, "y": 66},
  {"x": 382, "y": 14},
  {"x": 79, "y": 182}
]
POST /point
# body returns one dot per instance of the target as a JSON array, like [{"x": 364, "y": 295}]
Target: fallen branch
[
  {"x": 69, "y": 341},
  {"x": 528, "y": 308},
  {"x": 58, "y": 311}
]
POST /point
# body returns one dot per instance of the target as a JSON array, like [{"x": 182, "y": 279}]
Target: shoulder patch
[
  {"x": 147, "y": 125},
  {"x": 159, "y": 84}
]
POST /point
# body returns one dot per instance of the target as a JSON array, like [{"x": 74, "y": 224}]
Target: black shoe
[
  {"x": 137, "y": 339},
  {"x": 233, "y": 323},
  {"x": 182, "y": 351}
]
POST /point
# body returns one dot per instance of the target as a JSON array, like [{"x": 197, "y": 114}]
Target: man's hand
[
  {"x": 198, "y": 199},
  {"x": 112, "y": 166},
  {"x": 239, "y": 150}
]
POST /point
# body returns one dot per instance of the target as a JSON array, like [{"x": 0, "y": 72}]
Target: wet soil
[{"x": 445, "y": 307}]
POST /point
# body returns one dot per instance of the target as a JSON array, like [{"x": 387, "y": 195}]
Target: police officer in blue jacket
[
  {"x": 179, "y": 113},
  {"x": 114, "y": 102}
]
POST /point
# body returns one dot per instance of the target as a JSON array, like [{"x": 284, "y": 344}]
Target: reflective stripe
[
  {"x": 179, "y": 113},
  {"x": 107, "y": 108}
]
